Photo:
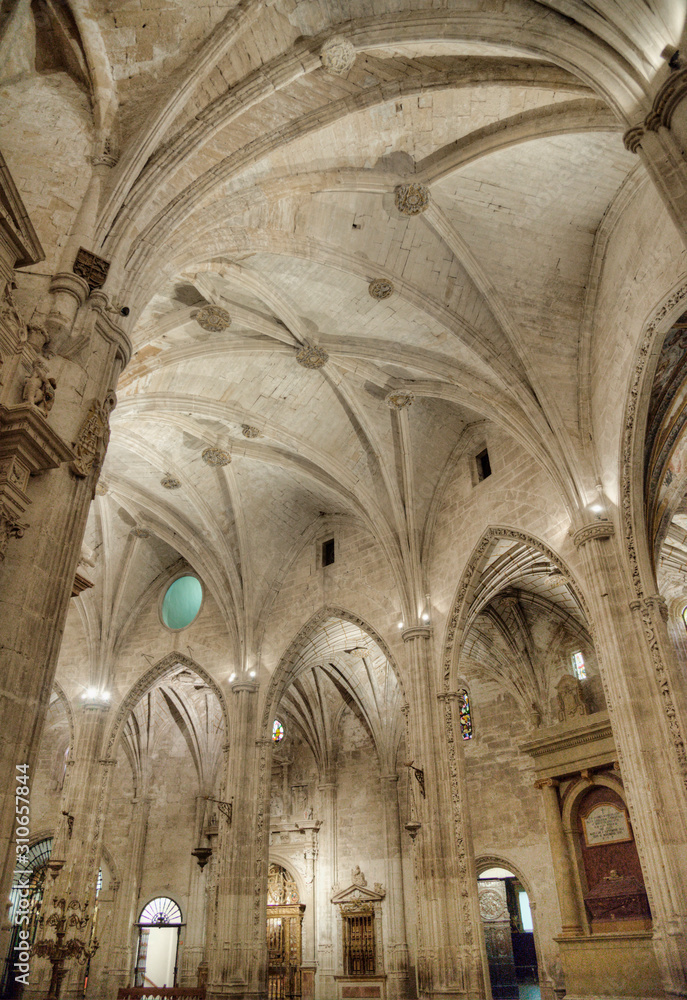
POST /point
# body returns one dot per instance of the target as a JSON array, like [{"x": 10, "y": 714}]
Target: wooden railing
[{"x": 161, "y": 992}]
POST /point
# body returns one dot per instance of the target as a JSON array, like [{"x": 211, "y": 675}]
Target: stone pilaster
[
  {"x": 649, "y": 736},
  {"x": 38, "y": 570},
  {"x": 237, "y": 958},
  {"x": 450, "y": 950},
  {"x": 84, "y": 808},
  {"x": 564, "y": 874},
  {"x": 120, "y": 943},
  {"x": 327, "y": 877},
  {"x": 394, "y": 907}
]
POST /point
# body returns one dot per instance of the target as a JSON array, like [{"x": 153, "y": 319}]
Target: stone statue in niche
[
  {"x": 570, "y": 700},
  {"x": 39, "y": 389}
]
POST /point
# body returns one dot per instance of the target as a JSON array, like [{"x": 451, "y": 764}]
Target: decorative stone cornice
[
  {"x": 416, "y": 632},
  {"x": 673, "y": 91},
  {"x": 71, "y": 284},
  {"x": 655, "y": 602},
  {"x": 246, "y": 684},
  {"x": 598, "y": 529}
]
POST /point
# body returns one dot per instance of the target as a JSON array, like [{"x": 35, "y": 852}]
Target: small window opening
[
  {"x": 578, "y": 666},
  {"x": 483, "y": 465},
  {"x": 684, "y": 616},
  {"x": 328, "y": 552}
]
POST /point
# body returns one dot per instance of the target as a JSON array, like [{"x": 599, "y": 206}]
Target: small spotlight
[
  {"x": 425, "y": 616},
  {"x": 596, "y": 507},
  {"x": 232, "y": 678},
  {"x": 106, "y": 696},
  {"x": 400, "y": 624},
  {"x": 90, "y": 693},
  {"x": 252, "y": 673}
]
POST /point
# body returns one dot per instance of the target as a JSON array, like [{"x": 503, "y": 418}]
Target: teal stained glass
[{"x": 182, "y": 602}]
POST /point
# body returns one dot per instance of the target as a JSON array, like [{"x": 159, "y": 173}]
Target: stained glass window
[
  {"x": 684, "y": 616},
  {"x": 578, "y": 666},
  {"x": 182, "y": 602},
  {"x": 465, "y": 715},
  {"x": 277, "y": 731}
]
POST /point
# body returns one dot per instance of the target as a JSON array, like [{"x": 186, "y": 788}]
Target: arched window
[
  {"x": 29, "y": 874},
  {"x": 158, "y": 943},
  {"x": 684, "y": 615},
  {"x": 277, "y": 731},
  {"x": 465, "y": 715}
]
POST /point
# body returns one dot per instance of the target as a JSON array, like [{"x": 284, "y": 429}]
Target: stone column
[
  {"x": 450, "y": 938},
  {"x": 327, "y": 876},
  {"x": 237, "y": 962},
  {"x": 309, "y": 960},
  {"x": 39, "y": 566},
  {"x": 650, "y": 738},
  {"x": 563, "y": 870},
  {"x": 121, "y": 946},
  {"x": 394, "y": 907},
  {"x": 85, "y": 805}
]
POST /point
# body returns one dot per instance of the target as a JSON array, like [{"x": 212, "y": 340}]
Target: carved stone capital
[
  {"x": 416, "y": 632},
  {"x": 546, "y": 783},
  {"x": 602, "y": 528},
  {"x": 669, "y": 96},
  {"x": 70, "y": 284},
  {"x": 655, "y": 603}
]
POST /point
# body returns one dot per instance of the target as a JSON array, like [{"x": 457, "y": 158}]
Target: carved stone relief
[
  {"x": 411, "y": 199},
  {"x": 216, "y": 457},
  {"x": 399, "y": 399},
  {"x": 571, "y": 704},
  {"x": 213, "y": 318},
  {"x": 337, "y": 55},
  {"x": 380, "y": 289},
  {"x": 39, "y": 389},
  {"x": 91, "y": 445},
  {"x": 312, "y": 357}
]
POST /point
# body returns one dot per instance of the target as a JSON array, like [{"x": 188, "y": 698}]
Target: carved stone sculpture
[
  {"x": 216, "y": 457},
  {"x": 213, "y": 318},
  {"x": 9, "y": 312},
  {"x": 94, "y": 437},
  {"x": 398, "y": 399},
  {"x": 570, "y": 700},
  {"x": 380, "y": 289},
  {"x": 249, "y": 431},
  {"x": 39, "y": 389},
  {"x": 10, "y": 527},
  {"x": 357, "y": 877},
  {"x": 337, "y": 55},
  {"x": 411, "y": 199},
  {"x": 312, "y": 357}
]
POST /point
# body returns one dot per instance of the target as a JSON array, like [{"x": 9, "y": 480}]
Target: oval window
[{"x": 182, "y": 602}]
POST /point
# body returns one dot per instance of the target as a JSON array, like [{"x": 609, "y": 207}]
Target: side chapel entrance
[{"x": 284, "y": 936}]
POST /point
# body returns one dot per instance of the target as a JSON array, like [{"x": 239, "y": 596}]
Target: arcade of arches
[{"x": 343, "y": 498}]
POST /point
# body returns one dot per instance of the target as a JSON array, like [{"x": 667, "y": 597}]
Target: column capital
[
  {"x": 247, "y": 684},
  {"x": 416, "y": 632},
  {"x": 603, "y": 528},
  {"x": 669, "y": 95},
  {"x": 654, "y": 602}
]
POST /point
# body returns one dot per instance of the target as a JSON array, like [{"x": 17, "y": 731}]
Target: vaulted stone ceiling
[{"x": 253, "y": 179}]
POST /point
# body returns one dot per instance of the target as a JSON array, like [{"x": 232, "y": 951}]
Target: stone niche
[{"x": 605, "y": 944}]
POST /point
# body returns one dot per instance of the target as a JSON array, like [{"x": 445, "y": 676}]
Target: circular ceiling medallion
[
  {"x": 249, "y": 432},
  {"x": 411, "y": 199},
  {"x": 170, "y": 483},
  {"x": 213, "y": 318},
  {"x": 337, "y": 55},
  {"x": 216, "y": 457},
  {"x": 380, "y": 289},
  {"x": 398, "y": 399},
  {"x": 312, "y": 357},
  {"x": 140, "y": 533}
]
